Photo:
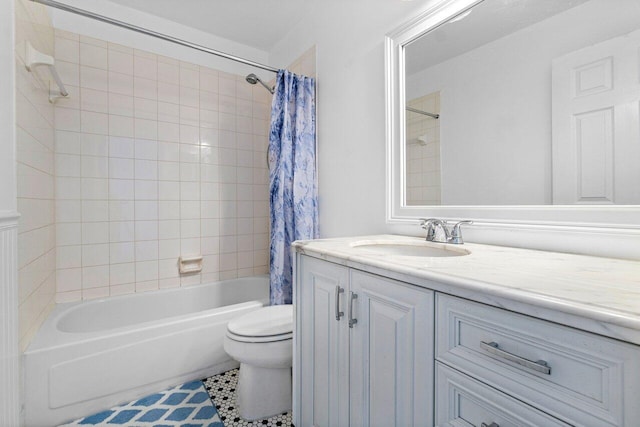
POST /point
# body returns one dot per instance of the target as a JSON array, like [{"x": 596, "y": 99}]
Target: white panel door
[
  {"x": 391, "y": 367},
  {"x": 323, "y": 343},
  {"x": 596, "y": 123}
]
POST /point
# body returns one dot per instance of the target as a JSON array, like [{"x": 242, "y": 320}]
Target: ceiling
[{"x": 256, "y": 23}]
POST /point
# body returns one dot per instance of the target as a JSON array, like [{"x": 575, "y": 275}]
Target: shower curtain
[{"x": 292, "y": 176}]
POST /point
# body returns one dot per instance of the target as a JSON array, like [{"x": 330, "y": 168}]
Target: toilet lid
[{"x": 264, "y": 322}]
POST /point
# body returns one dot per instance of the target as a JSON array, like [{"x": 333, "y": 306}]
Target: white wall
[
  {"x": 9, "y": 349},
  {"x": 496, "y": 105},
  {"x": 7, "y": 110},
  {"x": 349, "y": 38}
]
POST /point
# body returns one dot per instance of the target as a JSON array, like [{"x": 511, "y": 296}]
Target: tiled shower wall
[
  {"x": 155, "y": 159},
  {"x": 423, "y": 152},
  {"x": 35, "y": 172}
]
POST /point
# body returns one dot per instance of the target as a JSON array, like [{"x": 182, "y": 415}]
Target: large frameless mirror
[{"x": 518, "y": 110}]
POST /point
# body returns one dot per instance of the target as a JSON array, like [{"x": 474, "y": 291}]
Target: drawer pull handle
[
  {"x": 339, "y": 313},
  {"x": 352, "y": 321},
  {"x": 489, "y": 425},
  {"x": 538, "y": 365}
]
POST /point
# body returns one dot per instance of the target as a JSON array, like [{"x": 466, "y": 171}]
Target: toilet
[{"x": 262, "y": 341}]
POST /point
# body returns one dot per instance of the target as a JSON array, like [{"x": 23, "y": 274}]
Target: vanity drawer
[
  {"x": 591, "y": 380},
  {"x": 462, "y": 401}
]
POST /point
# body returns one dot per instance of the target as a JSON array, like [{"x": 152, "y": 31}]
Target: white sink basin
[{"x": 408, "y": 248}]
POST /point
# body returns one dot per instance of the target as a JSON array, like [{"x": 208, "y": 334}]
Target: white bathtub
[{"x": 90, "y": 356}]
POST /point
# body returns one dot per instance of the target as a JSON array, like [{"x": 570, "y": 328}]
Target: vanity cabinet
[
  {"x": 365, "y": 346},
  {"x": 373, "y": 351},
  {"x": 581, "y": 378}
]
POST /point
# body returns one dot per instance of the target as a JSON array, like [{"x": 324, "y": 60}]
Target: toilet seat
[{"x": 268, "y": 324}]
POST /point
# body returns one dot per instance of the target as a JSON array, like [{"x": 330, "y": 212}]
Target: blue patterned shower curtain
[{"x": 292, "y": 176}]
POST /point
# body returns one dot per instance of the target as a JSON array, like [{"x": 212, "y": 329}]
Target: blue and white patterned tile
[{"x": 187, "y": 405}]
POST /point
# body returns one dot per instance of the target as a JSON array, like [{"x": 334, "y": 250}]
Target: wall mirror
[{"x": 522, "y": 111}]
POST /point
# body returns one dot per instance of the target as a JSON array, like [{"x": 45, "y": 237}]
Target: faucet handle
[
  {"x": 456, "y": 233},
  {"x": 427, "y": 224}
]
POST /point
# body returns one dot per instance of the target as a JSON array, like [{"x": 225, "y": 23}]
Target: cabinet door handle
[
  {"x": 489, "y": 425},
  {"x": 538, "y": 365},
  {"x": 352, "y": 321},
  {"x": 339, "y": 313}
]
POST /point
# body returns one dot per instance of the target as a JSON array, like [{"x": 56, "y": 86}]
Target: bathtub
[{"x": 90, "y": 356}]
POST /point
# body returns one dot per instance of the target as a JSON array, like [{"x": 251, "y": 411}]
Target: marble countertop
[{"x": 600, "y": 295}]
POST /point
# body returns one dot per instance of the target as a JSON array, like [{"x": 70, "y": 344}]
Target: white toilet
[{"x": 262, "y": 341}]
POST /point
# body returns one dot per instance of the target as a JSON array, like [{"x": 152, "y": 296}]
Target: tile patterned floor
[
  {"x": 185, "y": 405},
  {"x": 222, "y": 389},
  {"x": 207, "y": 403}
]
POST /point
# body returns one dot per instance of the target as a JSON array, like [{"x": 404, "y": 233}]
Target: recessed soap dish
[{"x": 188, "y": 265}]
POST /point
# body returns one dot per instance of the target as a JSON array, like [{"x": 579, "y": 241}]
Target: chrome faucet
[{"x": 453, "y": 236}]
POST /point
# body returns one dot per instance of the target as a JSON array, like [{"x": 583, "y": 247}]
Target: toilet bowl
[{"x": 262, "y": 341}]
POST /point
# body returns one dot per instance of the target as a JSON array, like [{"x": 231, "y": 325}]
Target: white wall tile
[
  {"x": 69, "y": 256},
  {"x": 94, "y": 100},
  {"x": 95, "y": 293},
  {"x": 146, "y": 271},
  {"x": 68, "y": 233},
  {"x": 67, "y": 50},
  {"x": 95, "y": 210},
  {"x": 95, "y": 232},
  {"x": 146, "y": 230},
  {"x": 91, "y": 122},
  {"x": 146, "y": 169},
  {"x": 146, "y": 149},
  {"x": 95, "y": 277},
  {"x": 95, "y": 189},
  {"x": 121, "y": 189},
  {"x": 93, "y": 56},
  {"x": 68, "y": 279},
  {"x": 145, "y": 88},
  {"x": 121, "y": 231},
  {"x": 121, "y": 105},
  {"x": 94, "y": 78},
  {"x": 120, "y": 62},
  {"x": 67, "y": 165},
  {"x": 122, "y": 252},
  {"x": 169, "y": 249},
  {"x": 145, "y": 108},
  {"x": 146, "y": 190},
  {"x": 67, "y": 119},
  {"x": 122, "y": 147},
  {"x": 121, "y": 126},
  {"x": 170, "y": 162},
  {"x": 95, "y": 167},
  {"x": 93, "y": 255},
  {"x": 94, "y": 145},
  {"x": 120, "y": 274},
  {"x": 121, "y": 168},
  {"x": 68, "y": 211},
  {"x": 146, "y": 210},
  {"x": 121, "y": 210},
  {"x": 67, "y": 142},
  {"x": 169, "y": 229}
]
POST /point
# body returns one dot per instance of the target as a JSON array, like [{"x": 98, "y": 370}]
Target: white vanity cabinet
[
  {"x": 581, "y": 378},
  {"x": 424, "y": 351},
  {"x": 364, "y": 348}
]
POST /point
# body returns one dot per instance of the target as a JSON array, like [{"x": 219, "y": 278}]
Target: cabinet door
[
  {"x": 391, "y": 352},
  {"x": 322, "y": 344}
]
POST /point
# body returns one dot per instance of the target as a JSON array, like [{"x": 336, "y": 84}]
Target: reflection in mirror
[{"x": 538, "y": 104}]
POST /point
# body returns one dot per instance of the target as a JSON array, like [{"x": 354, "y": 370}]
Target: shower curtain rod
[
  {"x": 415, "y": 110},
  {"x": 161, "y": 36}
]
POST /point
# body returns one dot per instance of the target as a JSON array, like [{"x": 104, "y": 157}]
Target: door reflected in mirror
[{"x": 525, "y": 102}]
